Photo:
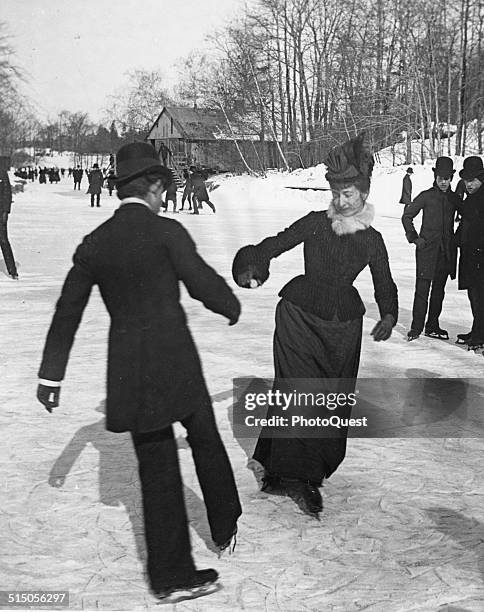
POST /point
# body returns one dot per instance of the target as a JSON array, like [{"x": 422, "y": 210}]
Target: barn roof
[{"x": 202, "y": 123}]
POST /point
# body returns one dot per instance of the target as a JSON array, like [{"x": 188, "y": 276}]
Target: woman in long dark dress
[{"x": 319, "y": 318}]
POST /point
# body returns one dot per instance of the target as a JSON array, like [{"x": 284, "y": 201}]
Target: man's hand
[
  {"x": 419, "y": 243},
  {"x": 383, "y": 329},
  {"x": 48, "y": 396}
]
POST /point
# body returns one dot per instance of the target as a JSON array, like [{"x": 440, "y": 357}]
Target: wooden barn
[{"x": 202, "y": 137}]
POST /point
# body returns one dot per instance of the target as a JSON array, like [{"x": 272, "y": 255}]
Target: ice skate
[
  {"x": 463, "y": 338},
  {"x": 475, "y": 344},
  {"x": 412, "y": 335},
  {"x": 437, "y": 332},
  {"x": 272, "y": 483},
  {"x": 229, "y": 544},
  {"x": 204, "y": 583},
  {"x": 305, "y": 494}
]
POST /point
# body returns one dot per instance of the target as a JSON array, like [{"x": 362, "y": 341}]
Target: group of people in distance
[
  {"x": 194, "y": 191},
  {"x": 437, "y": 245}
]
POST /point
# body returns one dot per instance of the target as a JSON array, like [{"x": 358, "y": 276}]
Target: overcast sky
[{"x": 75, "y": 54}]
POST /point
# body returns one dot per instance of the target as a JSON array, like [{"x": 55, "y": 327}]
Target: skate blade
[
  {"x": 437, "y": 337},
  {"x": 305, "y": 508},
  {"x": 190, "y": 593},
  {"x": 477, "y": 348}
]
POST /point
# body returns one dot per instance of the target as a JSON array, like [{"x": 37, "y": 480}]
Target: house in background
[{"x": 202, "y": 137}]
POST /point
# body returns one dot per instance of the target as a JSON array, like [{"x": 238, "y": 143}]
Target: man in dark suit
[
  {"x": 471, "y": 244},
  {"x": 96, "y": 182},
  {"x": 5, "y": 207},
  {"x": 154, "y": 373},
  {"x": 406, "y": 196},
  {"x": 436, "y": 251},
  {"x": 77, "y": 175},
  {"x": 199, "y": 191}
]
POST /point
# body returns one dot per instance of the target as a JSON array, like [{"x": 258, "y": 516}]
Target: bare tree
[{"x": 136, "y": 105}]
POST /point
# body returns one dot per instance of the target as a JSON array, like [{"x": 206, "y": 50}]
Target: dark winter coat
[
  {"x": 331, "y": 264},
  {"x": 5, "y": 193},
  {"x": 471, "y": 240},
  {"x": 437, "y": 229},
  {"x": 77, "y": 174},
  {"x": 406, "y": 196},
  {"x": 96, "y": 180},
  {"x": 137, "y": 259},
  {"x": 171, "y": 192},
  {"x": 198, "y": 187}
]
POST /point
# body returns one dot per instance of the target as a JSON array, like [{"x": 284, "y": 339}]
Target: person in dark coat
[
  {"x": 77, "y": 174},
  {"x": 5, "y": 208},
  {"x": 111, "y": 181},
  {"x": 187, "y": 190},
  {"x": 199, "y": 191},
  {"x": 471, "y": 244},
  {"x": 96, "y": 180},
  {"x": 154, "y": 376},
  {"x": 319, "y": 318},
  {"x": 42, "y": 176},
  {"x": 436, "y": 251},
  {"x": 406, "y": 196},
  {"x": 170, "y": 196}
]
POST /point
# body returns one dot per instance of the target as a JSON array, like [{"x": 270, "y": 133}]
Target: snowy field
[{"x": 403, "y": 523}]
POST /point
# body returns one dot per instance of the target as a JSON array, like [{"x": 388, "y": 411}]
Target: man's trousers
[
  {"x": 421, "y": 297},
  {"x": 166, "y": 527},
  {"x": 476, "y": 298},
  {"x": 7, "y": 249}
]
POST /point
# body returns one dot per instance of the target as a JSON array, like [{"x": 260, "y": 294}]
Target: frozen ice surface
[{"x": 402, "y": 528}]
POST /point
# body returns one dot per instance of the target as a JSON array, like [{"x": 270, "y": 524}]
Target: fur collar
[{"x": 350, "y": 225}]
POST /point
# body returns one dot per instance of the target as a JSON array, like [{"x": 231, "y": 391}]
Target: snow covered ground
[{"x": 402, "y": 528}]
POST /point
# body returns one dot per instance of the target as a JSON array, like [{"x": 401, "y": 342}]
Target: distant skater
[
  {"x": 406, "y": 196},
  {"x": 77, "y": 176},
  {"x": 96, "y": 180},
  {"x": 170, "y": 196},
  {"x": 200, "y": 194},
  {"x": 187, "y": 190},
  {"x": 111, "y": 182},
  {"x": 5, "y": 207}
]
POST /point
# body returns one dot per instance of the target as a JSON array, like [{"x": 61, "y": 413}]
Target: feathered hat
[{"x": 350, "y": 161}]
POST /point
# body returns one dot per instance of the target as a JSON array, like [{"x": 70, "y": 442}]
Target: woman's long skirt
[{"x": 306, "y": 346}]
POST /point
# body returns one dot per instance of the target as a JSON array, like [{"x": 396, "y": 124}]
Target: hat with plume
[{"x": 350, "y": 161}]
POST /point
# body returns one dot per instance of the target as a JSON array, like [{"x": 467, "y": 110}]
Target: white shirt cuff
[{"x": 49, "y": 383}]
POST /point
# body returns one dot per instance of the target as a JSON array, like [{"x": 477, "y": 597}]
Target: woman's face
[{"x": 348, "y": 201}]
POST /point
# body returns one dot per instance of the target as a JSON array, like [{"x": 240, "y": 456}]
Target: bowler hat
[
  {"x": 444, "y": 167},
  {"x": 473, "y": 168},
  {"x": 138, "y": 158},
  {"x": 410, "y": 170}
]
